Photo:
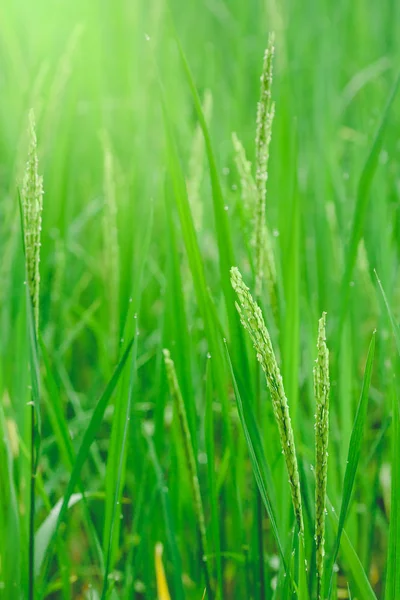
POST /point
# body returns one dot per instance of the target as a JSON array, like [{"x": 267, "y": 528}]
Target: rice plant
[{"x": 243, "y": 462}]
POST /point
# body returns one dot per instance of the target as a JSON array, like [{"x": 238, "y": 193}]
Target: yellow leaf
[{"x": 162, "y": 586}]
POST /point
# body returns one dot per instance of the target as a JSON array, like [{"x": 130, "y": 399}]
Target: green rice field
[{"x": 199, "y": 300}]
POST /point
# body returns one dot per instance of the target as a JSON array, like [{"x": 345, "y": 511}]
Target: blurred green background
[{"x": 92, "y": 72}]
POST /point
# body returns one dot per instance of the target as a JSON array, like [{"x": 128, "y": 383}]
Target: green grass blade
[
  {"x": 179, "y": 593},
  {"x": 118, "y": 451},
  {"x": 224, "y": 238},
  {"x": 354, "y": 451},
  {"x": 87, "y": 441},
  {"x": 352, "y": 561},
  {"x": 213, "y": 497},
  {"x": 259, "y": 464},
  {"x": 395, "y": 328},
  {"x": 46, "y": 531},
  {"x": 360, "y": 211},
  {"x": 392, "y": 587}
]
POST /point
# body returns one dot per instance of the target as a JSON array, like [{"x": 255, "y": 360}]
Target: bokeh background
[{"x": 93, "y": 71}]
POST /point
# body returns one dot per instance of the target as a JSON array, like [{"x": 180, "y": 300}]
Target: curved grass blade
[
  {"x": 119, "y": 450},
  {"x": 55, "y": 412},
  {"x": 392, "y": 587},
  {"x": 360, "y": 211},
  {"x": 47, "y": 528},
  {"x": 224, "y": 239},
  {"x": 395, "y": 328},
  {"x": 353, "y": 562},
  {"x": 86, "y": 443},
  {"x": 354, "y": 452},
  {"x": 259, "y": 464},
  {"x": 210, "y": 449}
]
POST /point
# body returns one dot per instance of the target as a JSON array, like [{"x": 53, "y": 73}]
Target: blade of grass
[
  {"x": 360, "y": 211},
  {"x": 84, "y": 448},
  {"x": 213, "y": 497},
  {"x": 353, "y": 453},
  {"x": 55, "y": 412},
  {"x": 224, "y": 240},
  {"x": 258, "y": 461},
  {"x": 352, "y": 560},
  {"x": 392, "y": 586},
  {"x": 118, "y": 449},
  {"x": 205, "y": 303},
  {"x": 179, "y": 593}
]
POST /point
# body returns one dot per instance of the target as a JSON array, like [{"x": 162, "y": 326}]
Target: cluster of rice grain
[
  {"x": 321, "y": 391},
  {"x": 32, "y": 205},
  {"x": 252, "y": 320},
  {"x": 253, "y": 189}
]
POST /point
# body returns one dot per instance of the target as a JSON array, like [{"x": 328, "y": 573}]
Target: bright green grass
[{"x": 109, "y": 78}]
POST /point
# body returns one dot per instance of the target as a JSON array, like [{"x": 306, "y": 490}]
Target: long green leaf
[
  {"x": 258, "y": 462},
  {"x": 119, "y": 452},
  {"x": 224, "y": 239},
  {"x": 353, "y": 563},
  {"x": 360, "y": 211},
  {"x": 169, "y": 523},
  {"x": 87, "y": 441},
  {"x": 354, "y": 451},
  {"x": 392, "y": 587}
]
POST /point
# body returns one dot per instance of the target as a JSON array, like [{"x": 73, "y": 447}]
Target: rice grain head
[
  {"x": 252, "y": 320},
  {"x": 247, "y": 183},
  {"x": 265, "y": 117},
  {"x": 321, "y": 392},
  {"x": 32, "y": 205}
]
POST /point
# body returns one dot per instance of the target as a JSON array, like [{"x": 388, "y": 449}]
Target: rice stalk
[
  {"x": 190, "y": 458},
  {"x": 32, "y": 204},
  {"x": 252, "y": 320},
  {"x": 265, "y": 116},
  {"x": 321, "y": 391}
]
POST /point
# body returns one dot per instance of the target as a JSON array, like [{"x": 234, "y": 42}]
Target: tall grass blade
[
  {"x": 84, "y": 448},
  {"x": 179, "y": 593},
  {"x": 259, "y": 464},
  {"x": 353, "y": 563},
  {"x": 392, "y": 587},
  {"x": 360, "y": 211},
  {"x": 354, "y": 452},
  {"x": 117, "y": 456}
]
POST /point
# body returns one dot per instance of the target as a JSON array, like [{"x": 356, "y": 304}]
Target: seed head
[
  {"x": 32, "y": 204},
  {"x": 321, "y": 391},
  {"x": 252, "y": 320}
]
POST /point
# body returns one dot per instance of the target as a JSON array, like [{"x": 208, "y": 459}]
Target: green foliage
[{"x": 147, "y": 206}]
